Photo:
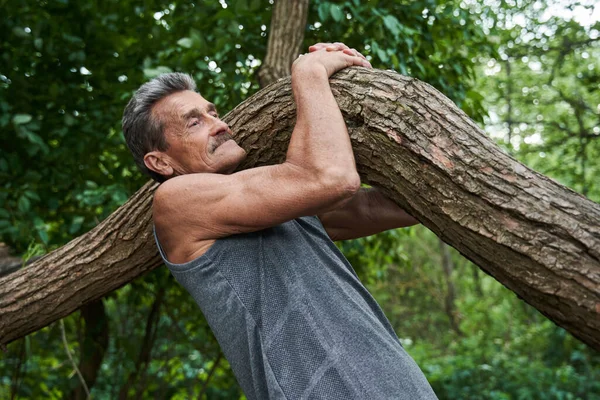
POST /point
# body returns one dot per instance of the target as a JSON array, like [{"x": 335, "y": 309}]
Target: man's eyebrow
[{"x": 196, "y": 113}]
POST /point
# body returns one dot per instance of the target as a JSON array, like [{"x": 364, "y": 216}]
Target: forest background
[{"x": 527, "y": 71}]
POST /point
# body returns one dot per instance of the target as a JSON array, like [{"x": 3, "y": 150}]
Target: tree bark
[
  {"x": 538, "y": 238},
  {"x": 286, "y": 34}
]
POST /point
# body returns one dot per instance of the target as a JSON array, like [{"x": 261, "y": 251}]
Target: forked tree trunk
[{"x": 538, "y": 238}]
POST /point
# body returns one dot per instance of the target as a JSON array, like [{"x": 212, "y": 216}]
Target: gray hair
[{"x": 143, "y": 131}]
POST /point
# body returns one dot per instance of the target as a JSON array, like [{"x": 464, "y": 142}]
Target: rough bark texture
[
  {"x": 538, "y": 238},
  {"x": 286, "y": 34}
]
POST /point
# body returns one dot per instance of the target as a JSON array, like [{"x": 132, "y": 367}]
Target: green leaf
[
  {"x": 76, "y": 224},
  {"x": 323, "y": 11},
  {"x": 32, "y": 195},
  {"x": 20, "y": 119},
  {"x": 37, "y": 140},
  {"x": 185, "y": 42},
  {"x": 20, "y": 32},
  {"x": 23, "y": 204},
  {"x": 392, "y": 24},
  {"x": 43, "y": 235},
  {"x": 336, "y": 12},
  {"x": 198, "y": 41},
  {"x": 382, "y": 55},
  {"x": 38, "y": 43},
  {"x": 395, "y": 60},
  {"x": 70, "y": 120},
  {"x": 151, "y": 73},
  {"x": 38, "y": 222}
]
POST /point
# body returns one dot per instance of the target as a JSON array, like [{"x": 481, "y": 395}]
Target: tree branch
[{"x": 537, "y": 237}]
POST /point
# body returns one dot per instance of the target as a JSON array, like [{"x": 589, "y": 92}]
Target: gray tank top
[{"x": 294, "y": 321}]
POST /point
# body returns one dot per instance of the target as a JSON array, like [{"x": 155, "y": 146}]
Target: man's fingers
[
  {"x": 341, "y": 46},
  {"x": 318, "y": 46},
  {"x": 353, "y": 56},
  {"x": 337, "y": 46},
  {"x": 355, "y": 53},
  {"x": 358, "y": 61}
]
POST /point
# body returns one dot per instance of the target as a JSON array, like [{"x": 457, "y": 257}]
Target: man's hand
[
  {"x": 329, "y": 58},
  {"x": 338, "y": 46}
]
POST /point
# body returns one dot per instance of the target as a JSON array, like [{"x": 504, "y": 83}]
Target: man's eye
[
  {"x": 195, "y": 122},
  {"x": 214, "y": 114}
]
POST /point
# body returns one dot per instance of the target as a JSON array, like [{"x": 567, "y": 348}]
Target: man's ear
[{"x": 158, "y": 162}]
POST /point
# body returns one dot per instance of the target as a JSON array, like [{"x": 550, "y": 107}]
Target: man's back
[{"x": 295, "y": 322}]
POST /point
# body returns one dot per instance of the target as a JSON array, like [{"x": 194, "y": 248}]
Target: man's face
[{"x": 198, "y": 140}]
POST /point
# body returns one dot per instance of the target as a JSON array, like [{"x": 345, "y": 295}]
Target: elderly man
[{"x": 254, "y": 248}]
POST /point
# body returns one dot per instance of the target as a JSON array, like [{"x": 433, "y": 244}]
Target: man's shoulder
[
  {"x": 172, "y": 194},
  {"x": 177, "y": 203},
  {"x": 172, "y": 186},
  {"x": 163, "y": 197}
]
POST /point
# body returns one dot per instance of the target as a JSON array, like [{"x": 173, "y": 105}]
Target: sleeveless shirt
[{"x": 294, "y": 321}]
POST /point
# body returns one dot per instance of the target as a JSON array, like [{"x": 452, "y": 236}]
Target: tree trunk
[
  {"x": 449, "y": 298},
  {"x": 286, "y": 34},
  {"x": 93, "y": 348},
  {"x": 144, "y": 356},
  {"x": 535, "y": 236}
]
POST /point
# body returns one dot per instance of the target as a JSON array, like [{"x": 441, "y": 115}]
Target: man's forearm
[
  {"x": 384, "y": 213},
  {"x": 320, "y": 139},
  {"x": 367, "y": 213}
]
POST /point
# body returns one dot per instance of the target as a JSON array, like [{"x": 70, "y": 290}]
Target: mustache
[{"x": 219, "y": 140}]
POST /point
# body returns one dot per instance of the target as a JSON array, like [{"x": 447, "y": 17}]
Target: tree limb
[{"x": 535, "y": 236}]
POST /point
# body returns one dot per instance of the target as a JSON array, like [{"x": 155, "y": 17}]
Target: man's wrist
[{"x": 308, "y": 76}]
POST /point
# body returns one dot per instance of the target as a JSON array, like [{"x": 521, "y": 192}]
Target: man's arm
[
  {"x": 367, "y": 213},
  {"x": 319, "y": 173}
]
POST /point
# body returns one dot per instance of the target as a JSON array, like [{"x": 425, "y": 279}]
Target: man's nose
[{"x": 218, "y": 127}]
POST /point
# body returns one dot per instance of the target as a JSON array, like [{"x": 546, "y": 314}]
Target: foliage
[
  {"x": 64, "y": 84},
  {"x": 544, "y": 92},
  {"x": 432, "y": 40},
  {"x": 67, "y": 70}
]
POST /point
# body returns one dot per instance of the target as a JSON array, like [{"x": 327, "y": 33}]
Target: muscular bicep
[{"x": 215, "y": 205}]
